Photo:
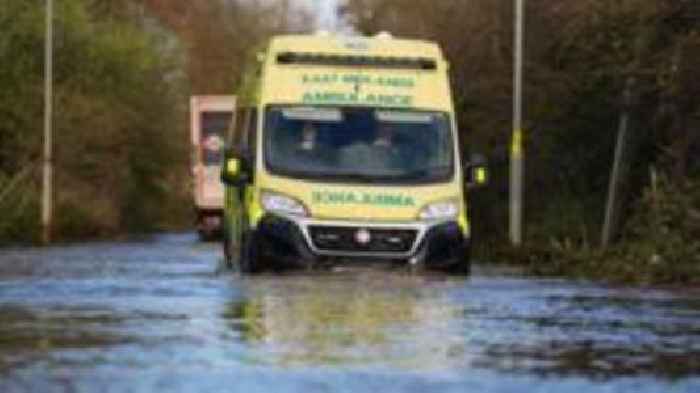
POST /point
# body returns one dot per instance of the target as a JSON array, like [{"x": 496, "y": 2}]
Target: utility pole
[
  {"x": 516, "y": 151},
  {"x": 46, "y": 211}
]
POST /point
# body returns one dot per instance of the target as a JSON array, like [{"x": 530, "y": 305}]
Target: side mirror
[
  {"x": 476, "y": 171},
  {"x": 234, "y": 169}
]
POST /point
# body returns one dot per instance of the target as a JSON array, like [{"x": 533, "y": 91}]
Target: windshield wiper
[
  {"x": 363, "y": 177},
  {"x": 424, "y": 173},
  {"x": 416, "y": 173}
]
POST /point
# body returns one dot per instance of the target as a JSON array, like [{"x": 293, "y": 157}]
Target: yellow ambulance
[{"x": 346, "y": 148}]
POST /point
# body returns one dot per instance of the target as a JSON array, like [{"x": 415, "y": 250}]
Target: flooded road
[{"x": 157, "y": 316}]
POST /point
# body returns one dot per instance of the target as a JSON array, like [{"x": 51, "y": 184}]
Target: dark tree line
[
  {"x": 579, "y": 57},
  {"x": 126, "y": 67},
  {"x": 124, "y": 70}
]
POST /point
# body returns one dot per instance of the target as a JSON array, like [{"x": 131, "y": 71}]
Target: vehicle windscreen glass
[
  {"x": 214, "y": 126},
  {"x": 359, "y": 144}
]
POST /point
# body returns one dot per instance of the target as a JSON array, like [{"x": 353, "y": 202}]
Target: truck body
[
  {"x": 353, "y": 154},
  {"x": 210, "y": 120}
]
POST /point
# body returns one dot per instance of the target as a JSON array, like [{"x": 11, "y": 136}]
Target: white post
[
  {"x": 46, "y": 212},
  {"x": 517, "y": 156}
]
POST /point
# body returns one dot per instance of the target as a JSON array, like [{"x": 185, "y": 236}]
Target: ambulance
[{"x": 346, "y": 149}]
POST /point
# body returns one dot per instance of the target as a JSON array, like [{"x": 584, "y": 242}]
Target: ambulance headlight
[
  {"x": 282, "y": 204},
  {"x": 440, "y": 210}
]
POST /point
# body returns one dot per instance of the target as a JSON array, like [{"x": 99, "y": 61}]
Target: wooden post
[{"x": 611, "y": 213}]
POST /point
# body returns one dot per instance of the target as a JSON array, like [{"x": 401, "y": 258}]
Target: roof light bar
[{"x": 408, "y": 63}]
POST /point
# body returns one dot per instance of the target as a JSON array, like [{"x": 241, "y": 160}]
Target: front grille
[{"x": 337, "y": 238}]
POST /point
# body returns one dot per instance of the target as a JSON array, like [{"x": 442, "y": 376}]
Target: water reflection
[
  {"x": 387, "y": 320},
  {"x": 27, "y": 335},
  {"x": 511, "y": 326},
  {"x": 140, "y": 316}
]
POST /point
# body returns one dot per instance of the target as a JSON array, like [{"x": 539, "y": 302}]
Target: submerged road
[{"x": 156, "y": 316}]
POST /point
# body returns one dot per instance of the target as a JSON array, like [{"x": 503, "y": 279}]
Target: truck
[
  {"x": 350, "y": 153},
  {"x": 210, "y": 119}
]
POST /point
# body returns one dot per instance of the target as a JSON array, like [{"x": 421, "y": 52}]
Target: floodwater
[{"x": 157, "y": 316}]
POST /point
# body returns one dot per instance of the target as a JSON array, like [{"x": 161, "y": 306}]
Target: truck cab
[{"x": 210, "y": 120}]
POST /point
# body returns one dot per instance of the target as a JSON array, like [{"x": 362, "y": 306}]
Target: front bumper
[{"x": 297, "y": 241}]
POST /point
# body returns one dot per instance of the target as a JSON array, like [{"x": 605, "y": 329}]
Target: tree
[
  {"x": 579, "y": 55},
  {"x": 219, "y": 35},
  {"x": 118, "y": 125}
]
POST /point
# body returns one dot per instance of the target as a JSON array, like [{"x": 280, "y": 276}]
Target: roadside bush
[
  {"x": 661, "y": 243},
  {"x": 19, "y": 208},
  {"x": 662, "y": 238}
]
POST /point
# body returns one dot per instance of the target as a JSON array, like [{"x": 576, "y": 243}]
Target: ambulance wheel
[
  {"x": 249, "y": 257},
  {"x": 463, "y": 267}
]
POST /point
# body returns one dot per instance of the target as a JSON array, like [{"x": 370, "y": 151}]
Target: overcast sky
[{"x": 325, "y": 12}]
